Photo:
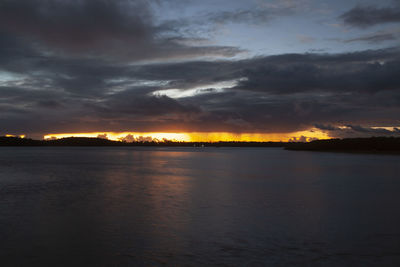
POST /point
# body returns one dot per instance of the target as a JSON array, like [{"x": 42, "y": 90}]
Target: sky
[{"x": 206, "y": 70}]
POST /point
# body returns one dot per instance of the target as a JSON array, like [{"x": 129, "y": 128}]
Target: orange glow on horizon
[
  {"x": 12, "y": 135},
  {"x": 120, "y": 136},
  {"x": 197, "y": 136}
]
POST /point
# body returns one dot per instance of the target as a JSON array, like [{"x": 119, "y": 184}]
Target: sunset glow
[
  {"x": 138, "y": 70},
  {"x": 183, "y": 132},
  {"x": 11, "y": 135},
  {"x": 122, "y": 135},
  {"x": 199, "y": 136}
]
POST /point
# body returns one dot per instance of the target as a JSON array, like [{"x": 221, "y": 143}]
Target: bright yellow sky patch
[
  {"x": 201, "y": 136},
  {"x": 12, "y": 135}
]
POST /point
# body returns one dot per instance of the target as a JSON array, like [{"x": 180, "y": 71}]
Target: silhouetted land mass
[
  {"x": 358, "y": 145},
  {"x": 87, "y": 141}
]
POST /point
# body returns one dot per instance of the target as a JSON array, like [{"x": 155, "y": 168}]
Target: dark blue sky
[{"x": 200, "y": 66}]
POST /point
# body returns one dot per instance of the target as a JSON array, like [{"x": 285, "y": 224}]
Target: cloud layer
[
  {"x": 95, "y": 66},
  {"x": 366, "y": 16}
]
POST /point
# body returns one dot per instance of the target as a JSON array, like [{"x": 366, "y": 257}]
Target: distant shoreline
[
  {"x": 372, "y": 145},
  {"x": 90, "y": 141}
]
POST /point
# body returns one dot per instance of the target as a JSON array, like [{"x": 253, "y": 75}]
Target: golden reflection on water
[
  {"x": 130, "y": 206},
  {"x": 155, "y": 180}
]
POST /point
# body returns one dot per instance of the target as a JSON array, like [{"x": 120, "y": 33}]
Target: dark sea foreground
[{"x": 127, "y": 206}]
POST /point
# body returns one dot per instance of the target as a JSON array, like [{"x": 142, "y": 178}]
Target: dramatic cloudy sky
[{"x": 256, "y": 66}]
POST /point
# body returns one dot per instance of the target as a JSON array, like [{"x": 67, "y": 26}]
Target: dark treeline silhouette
[
  {"x": 16, "y": 141},
  {"x": 372, "y": 144},
  {"x": 88, "y": 141}
]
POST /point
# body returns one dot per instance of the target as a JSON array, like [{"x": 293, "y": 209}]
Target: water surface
[{"x": 111, "y": 206}]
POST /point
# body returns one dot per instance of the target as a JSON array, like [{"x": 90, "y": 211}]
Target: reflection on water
[{"x": 193, "y": 206}]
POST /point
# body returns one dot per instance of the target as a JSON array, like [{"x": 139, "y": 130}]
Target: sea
[{"x": 192, "y": 206}]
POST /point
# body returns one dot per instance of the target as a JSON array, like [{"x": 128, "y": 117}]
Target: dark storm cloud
[
  {"x": 356, "y": 131},
  {"x": 262, "y": 13},
  {"x": 365, "y": 16},
  {"x": 17, "y": 53},
  {"x": 322, "y": 73},
  {"x": 246, "y": 16},
  {"x": 286, "y": 74},
  {"x": 120, "y": 29},
  {"x": 129, "y": 110},
  {"x": 292, "y": 92},
  {"x": 77, "y": 25},
  {"x": 274, "y": 94},
  {"x": 374, "y": 38},
  {"x": 136, "y": 102},
  {"x": 252, "y": 112}
]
